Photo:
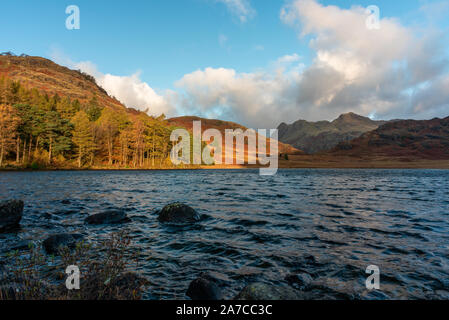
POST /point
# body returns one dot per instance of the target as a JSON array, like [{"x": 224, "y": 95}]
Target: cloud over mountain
[
  {"x": 130, "y": 90},
  {"x": 386, "y": 73}
]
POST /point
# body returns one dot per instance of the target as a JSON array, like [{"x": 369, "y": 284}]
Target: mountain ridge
[
  {"x": 319, "y": 136},
  {"x": 408, "y": 139}
]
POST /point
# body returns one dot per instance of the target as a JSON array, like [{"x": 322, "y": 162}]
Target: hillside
[
  {"x": 220, "y": 125},
  {"x": 48, "y": 77},
  {"x": 314, "y": 137},
  {"x": 55, "y": 117},
  {"x": 406, "y": 139}
]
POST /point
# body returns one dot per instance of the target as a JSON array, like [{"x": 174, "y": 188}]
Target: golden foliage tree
[
  {"x": 108, "y": 124},
  {"x": 83, "y": 136}
]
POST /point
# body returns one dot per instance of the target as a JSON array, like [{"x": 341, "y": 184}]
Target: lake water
[{"x": 331, "y": 224}]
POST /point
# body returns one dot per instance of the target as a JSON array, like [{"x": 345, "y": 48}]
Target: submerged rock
[
  {"x": 108, "y": 217},
  {"x": 178, "y": 213},
  {"x": 302, "y": 281},
  {"x": 262, "y": 291},
  {"x": 53, "y": 243},
  {"x": 11, "y": 212},
  {"x": 204, "y": 288}
]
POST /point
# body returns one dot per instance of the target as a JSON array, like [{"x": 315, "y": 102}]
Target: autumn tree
[
  {"x": 138, "y": 142},
  {"x": 8, "y": 129},
  {"x": 82, "y": 136},
  {"x": 3, "y": 90},
  {"x": 108, "y": 124}
]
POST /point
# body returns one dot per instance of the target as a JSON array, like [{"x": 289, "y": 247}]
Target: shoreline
[
  {"x": 367, "y": 166},
  {"x": 295, "y": 162}
]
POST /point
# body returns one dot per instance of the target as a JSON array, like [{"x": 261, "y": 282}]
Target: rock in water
[
  {"x": 10, "y": 214},
  {"x": 108, "y": 217},
  {"x": 302, "y": 281},
  {"x": 178, "y": 213},
  {"x": 204, "y": 288},
  {"x": 53, "y": 243},
  {"x": 262, "y": 291}
]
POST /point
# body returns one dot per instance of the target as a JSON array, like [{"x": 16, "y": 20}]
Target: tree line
[{"x": 38, "y": 130}]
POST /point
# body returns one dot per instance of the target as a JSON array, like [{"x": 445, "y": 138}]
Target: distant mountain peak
[
  {"x": 352, "y": 116},
  {"x": 349, "y": 114},
  {"x": 313, "y": 137}
]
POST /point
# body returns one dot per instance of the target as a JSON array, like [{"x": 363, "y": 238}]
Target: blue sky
[{"x": 165, "y": 40}]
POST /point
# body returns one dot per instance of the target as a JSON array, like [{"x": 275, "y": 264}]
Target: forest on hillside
[{"x": 42, "y": 131}]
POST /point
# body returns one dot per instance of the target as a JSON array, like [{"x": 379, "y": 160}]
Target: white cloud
[
  {"x": 130, "y": 90},
  {"x": 287, "y": 59},
  {"x": 258, "y": 100},
  {"x": 242, "y": 9},
  {"x": 133, "y": 92}
]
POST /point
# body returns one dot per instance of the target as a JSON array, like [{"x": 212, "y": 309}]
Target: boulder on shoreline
[
  {"x": 262, "y": 291},
  {"x": 108, "y": 217},
  {"x": 204, "y": 288},
  {"x": 11, "y": 212},
  {"x": 53, "y": 243},
  {"x": 178, "y": 213}
]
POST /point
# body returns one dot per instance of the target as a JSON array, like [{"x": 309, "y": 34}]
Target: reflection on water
[{"x": 329, "y": 223}]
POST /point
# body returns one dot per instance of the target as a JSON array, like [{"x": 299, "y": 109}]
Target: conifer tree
[
  {"x": 8, "y": 130},
  {"x": 57, "y": 134},
  {"x": 93, "y": 109}
]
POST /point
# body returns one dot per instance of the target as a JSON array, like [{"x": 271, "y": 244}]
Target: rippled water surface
[{"x": 331, "y": 224}]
